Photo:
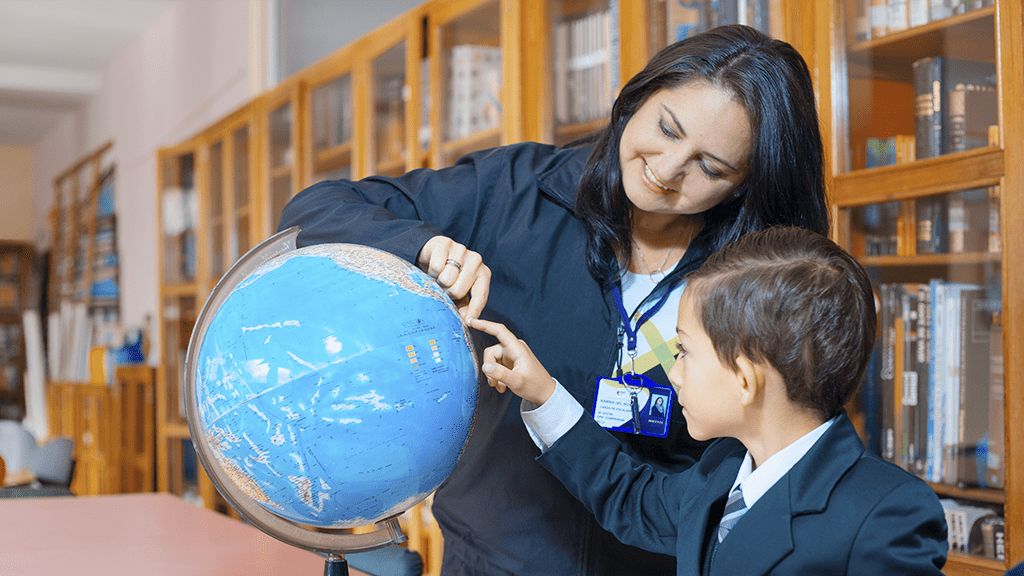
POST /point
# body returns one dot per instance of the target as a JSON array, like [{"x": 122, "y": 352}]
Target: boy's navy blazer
[{"x": 840, "y": 510}]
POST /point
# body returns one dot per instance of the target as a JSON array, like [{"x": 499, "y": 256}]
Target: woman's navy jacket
[{"x": 500, "y": 511}]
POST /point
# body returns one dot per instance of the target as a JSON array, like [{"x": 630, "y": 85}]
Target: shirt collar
[{"x": 757, "y": 482}]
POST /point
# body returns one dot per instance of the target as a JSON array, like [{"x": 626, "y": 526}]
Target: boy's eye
[{"x": 680, "y": 351}]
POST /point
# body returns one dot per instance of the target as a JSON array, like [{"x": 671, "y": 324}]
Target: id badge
[{"x": 641, "y": 407}]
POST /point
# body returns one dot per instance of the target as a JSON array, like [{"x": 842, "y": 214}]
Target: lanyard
[{"x": 631, "y": 330}]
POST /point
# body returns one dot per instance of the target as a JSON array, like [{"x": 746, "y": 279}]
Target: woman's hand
[
  {"x": 511, "y": 364},
  {"x": 460, "y": 271}
]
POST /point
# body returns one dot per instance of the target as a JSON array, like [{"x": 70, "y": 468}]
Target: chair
[
  {"x": 52, "y": 463},
  {"x": 16, "y": 445}
]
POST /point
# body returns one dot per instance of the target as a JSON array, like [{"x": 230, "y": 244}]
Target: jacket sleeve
[
  {"x": 905, "y": 533},
  {"x": 400, "y": 214},
  {"x": 639, "y": 505}
]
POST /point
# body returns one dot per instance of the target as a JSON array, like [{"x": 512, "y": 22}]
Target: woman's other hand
[{"x": 460, "y": 271}]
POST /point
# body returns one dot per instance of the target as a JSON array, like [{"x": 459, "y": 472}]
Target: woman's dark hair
[
  {"x": 795, "y": 300},
  {"x": 785, "y": 184}
]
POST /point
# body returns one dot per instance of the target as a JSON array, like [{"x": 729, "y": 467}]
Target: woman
[{"x": 716, "y": 137}]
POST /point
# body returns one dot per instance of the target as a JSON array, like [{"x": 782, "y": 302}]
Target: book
[
  {"x": 972, "y": 110},
  {"x": 977, "y": 310},
  {"x": 933, "y": 78},
  {"x": 880, "y": 152},
  {"x": 968, "y": 216},
  {"x": 887, "y": 369},
  {"x": 922, "y": 367},
  {"x": 996, "y": 414},
  {"x": 994, "y": 538},
  {"x": 930, "y": 223}
]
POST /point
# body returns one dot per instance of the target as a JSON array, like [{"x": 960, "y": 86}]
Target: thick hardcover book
[
  {"x": 922, "y": 365},
  {"x": 887, "y": 372},
  {"x": 996, "y": 415},
  {"x": 931, "y": 225},
  {"x": 970, "y": 114},
  {"x": 977, "y": 311},
  {"x": 911, "y": 382},
  {"x": 936, "y": 376}
]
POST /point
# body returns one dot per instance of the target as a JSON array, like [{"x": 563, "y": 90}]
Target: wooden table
[{"x": 151, "y": 534}]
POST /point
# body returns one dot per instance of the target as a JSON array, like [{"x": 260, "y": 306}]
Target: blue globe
[{"x": 336, "y": 386}]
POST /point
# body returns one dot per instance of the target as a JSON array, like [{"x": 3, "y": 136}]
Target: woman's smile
[{"x": 654, "y": 183}]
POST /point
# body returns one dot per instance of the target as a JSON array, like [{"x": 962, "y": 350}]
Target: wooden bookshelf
[{"x": 860, "y": 72}]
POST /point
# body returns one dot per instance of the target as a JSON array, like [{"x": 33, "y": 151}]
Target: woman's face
[{"x": 685, "y": 149}]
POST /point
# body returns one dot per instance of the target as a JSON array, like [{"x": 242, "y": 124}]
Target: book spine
[
  {"x": 888, "y": 369},
  {"x": 936, "y": 376},
  {"x": 923, "y": 375},
  {"x": 995, "y": 459},
  {"x": 927, "y": 73}
]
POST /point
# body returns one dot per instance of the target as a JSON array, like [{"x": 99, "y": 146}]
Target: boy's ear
[{"x": 751, "y": 378}]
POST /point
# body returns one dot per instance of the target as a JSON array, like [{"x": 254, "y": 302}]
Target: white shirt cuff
[{"x": 549, "y": 422}]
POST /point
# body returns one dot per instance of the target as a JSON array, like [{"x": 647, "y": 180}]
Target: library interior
[{"x": 150, "y": 161}]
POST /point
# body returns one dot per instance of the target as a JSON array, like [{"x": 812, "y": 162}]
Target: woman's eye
[
  {"x": 665, "y": 130},
  {"x": 712, "y": 173}
]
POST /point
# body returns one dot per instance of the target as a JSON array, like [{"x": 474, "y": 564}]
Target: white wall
[
  {"x": 16, "y": 193},
  {"x": 190, "y": 68}
]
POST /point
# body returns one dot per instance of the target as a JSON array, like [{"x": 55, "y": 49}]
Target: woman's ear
[{"x": 751, "y": 379}]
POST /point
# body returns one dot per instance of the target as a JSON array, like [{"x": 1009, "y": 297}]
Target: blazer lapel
[
  {"x": 763, "y": 537},
  {"x": 760, "y": 539}
]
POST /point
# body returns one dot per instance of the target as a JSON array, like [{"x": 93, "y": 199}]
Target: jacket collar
[
  {"x": 765, "y": 537},
  {"x": 561, "y": 179}
]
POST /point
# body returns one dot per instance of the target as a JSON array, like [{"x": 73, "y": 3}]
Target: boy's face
[{"x": 708, "y": 390}]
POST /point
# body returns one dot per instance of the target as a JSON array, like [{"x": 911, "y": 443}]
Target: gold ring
[{"x": 454, "y": 263}]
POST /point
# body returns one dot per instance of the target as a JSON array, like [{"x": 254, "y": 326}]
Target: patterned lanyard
[{"x": 631, "y": 333}]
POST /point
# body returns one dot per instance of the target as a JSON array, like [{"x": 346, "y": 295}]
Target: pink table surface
[{"x": 138, "y": 534}]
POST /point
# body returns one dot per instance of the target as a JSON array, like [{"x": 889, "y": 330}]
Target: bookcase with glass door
[{"x": 923, "y": 124}]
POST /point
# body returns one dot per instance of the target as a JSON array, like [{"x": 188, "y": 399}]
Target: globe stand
[
  {"x": 332, "y": 544},
  {"x": 335, "y": 566}
]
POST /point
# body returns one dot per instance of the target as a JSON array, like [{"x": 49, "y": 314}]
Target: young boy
[{"x": 774, "y": 332}]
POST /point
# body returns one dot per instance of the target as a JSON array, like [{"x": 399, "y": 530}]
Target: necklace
[{"x": 660, "y": 269}]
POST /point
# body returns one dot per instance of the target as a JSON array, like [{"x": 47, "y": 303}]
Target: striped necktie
[{"x": 734, "y": 509}]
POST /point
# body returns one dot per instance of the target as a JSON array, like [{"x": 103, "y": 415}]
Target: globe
[{"x": 333, "y": 385}]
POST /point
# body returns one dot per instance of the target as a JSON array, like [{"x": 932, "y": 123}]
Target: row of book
[
  {"x": 475, "y": 89},
  {"x": 685, "y": 18},
  {"x": 583, "y": 68},
  {"x": 956, "y": 105},
  {"x": 939, "y": 382},
  {"x": 977, "y": 530},
  {"x": 958, "y": 222},
  {"x": 878, "y": 18}
]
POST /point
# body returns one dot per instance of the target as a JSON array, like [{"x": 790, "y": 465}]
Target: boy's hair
[{"x": 795, "y": 300}]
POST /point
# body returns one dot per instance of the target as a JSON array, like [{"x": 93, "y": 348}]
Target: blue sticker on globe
[{"x": 633, "y": 403}]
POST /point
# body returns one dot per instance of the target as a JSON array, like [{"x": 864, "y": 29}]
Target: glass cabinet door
[
  {"x": 921, "y": 193},
  {"x": 178, "y": 215},
  {"x": 672, "y": 20},
  {"x": 240, "y": 162},
  {"x": 469, "y": 77},
  {"x": 282, "y": 162},
  {"x": 216, "y": 224},
  {"x": 389, "y": 93},
  {"x": 920, "y": 81},
  {"x": 228, "y": 225},
  {"x": 583, "y": 69},
  {"x": 331, "y": 118}
]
